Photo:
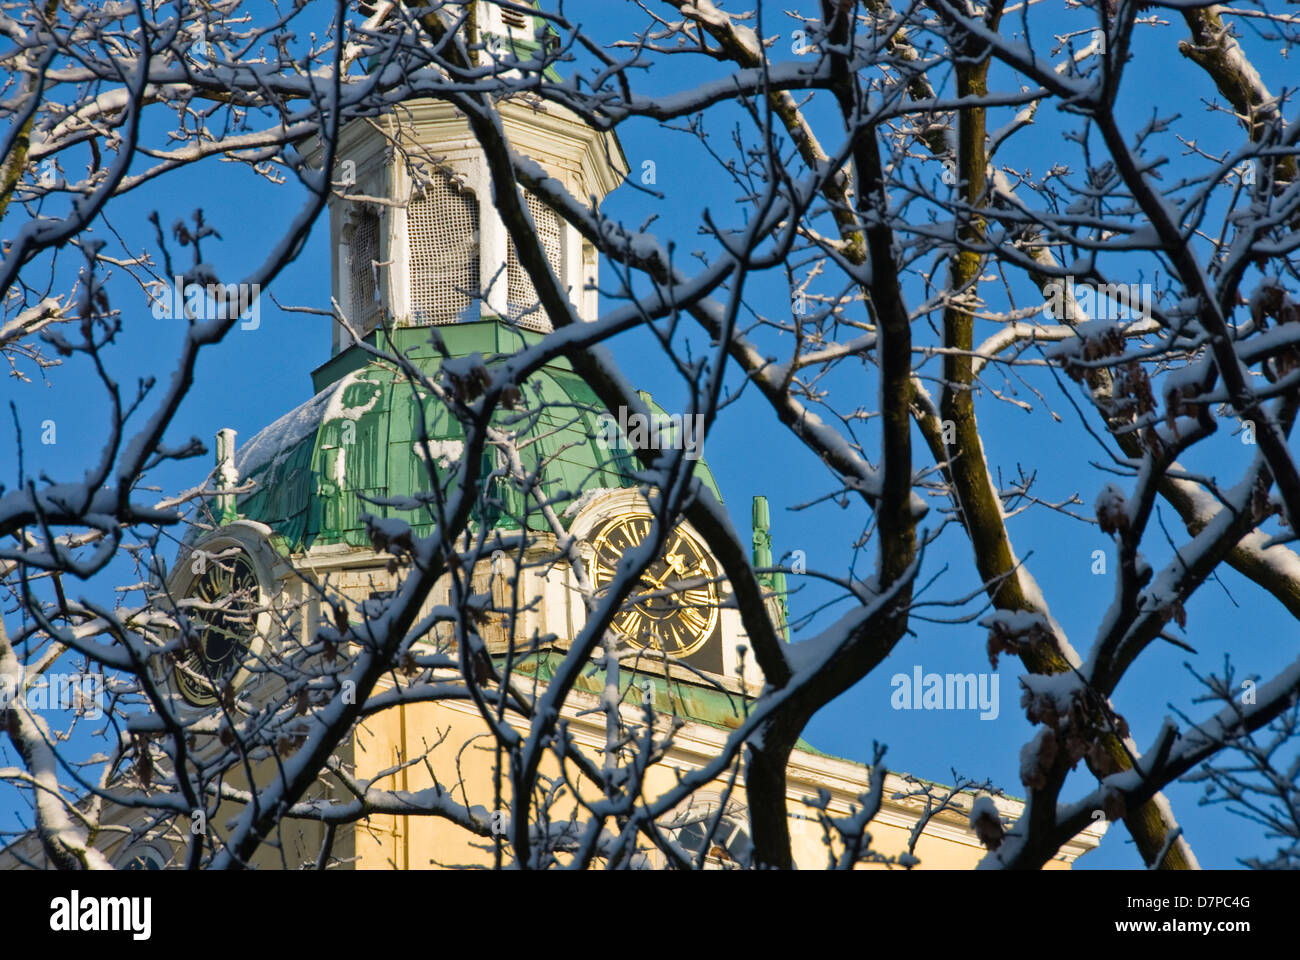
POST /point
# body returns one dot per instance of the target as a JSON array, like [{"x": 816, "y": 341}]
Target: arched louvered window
[
  {"x": 521, "y": 297},
  {"x": 722, "y": 841},
  {"x": 443, "y": 236},
  {"x": 363, "y": 269},
  {"x": 729, "y": 847}
]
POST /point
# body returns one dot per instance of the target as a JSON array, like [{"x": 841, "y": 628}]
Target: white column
[{"x": 493, "y": 242}]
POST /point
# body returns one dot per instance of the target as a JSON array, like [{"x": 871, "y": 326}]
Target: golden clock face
[
  {"x": 674, "y": 608},
  {"x": 225, "y": 632}
]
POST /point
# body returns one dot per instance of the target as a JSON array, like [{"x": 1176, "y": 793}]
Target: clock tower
[{"x": 423, "y": 267}]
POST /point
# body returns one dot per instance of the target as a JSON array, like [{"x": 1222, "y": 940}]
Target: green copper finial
[
  {"x": 227, "y": 478},
  {"x": 762, "y": 557}
]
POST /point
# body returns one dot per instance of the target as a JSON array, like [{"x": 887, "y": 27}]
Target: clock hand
[
  {"x": 676, "y": 564},
  {"x": 658, "y": 584}
]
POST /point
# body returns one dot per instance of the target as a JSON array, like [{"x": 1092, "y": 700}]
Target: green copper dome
[{"x": 321, "y": 467}]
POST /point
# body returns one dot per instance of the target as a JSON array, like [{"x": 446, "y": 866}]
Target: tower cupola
[{"x": 416, "y": 236}]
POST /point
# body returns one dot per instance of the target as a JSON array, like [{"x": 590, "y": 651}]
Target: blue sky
[{"x": 255, "y": 375}]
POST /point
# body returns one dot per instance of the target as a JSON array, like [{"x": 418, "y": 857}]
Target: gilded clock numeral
[
  {"x": 692, "y": 620},
  {"x": 698, "y": 597},
  {"x": 631, "y": 623}
]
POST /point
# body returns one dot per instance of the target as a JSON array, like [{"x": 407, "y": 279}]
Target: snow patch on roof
[
  {"x": 277, "y": 439},
  {"x": 444, "y": 452},
  {"x": 334, "y": 410}
]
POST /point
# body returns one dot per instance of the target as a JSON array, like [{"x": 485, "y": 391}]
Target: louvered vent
[
  {"x": 442, "y": 230},
  {"x": 363, "y": 274},
  {"x": 521, "y": 296},
  {"x": 513, "y": 18}
]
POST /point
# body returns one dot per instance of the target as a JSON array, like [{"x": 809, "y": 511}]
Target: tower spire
[{"x": 762, "y": 558}]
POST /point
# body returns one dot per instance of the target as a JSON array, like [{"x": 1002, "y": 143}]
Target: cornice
[{"x": 696, "y": 744}]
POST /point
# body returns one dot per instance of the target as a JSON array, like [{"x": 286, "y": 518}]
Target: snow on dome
[
  {"x": 445, "y": 452},
  {"x": 283, "y": 434}
]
